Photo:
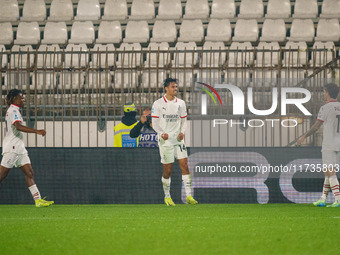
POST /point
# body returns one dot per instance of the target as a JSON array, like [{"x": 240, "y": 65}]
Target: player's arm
[
  {"x": 311, "y": 131},
  {"x": 26, "y": 129}
]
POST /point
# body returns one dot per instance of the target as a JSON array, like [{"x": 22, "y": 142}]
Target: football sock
[
  {"x": 166, "y": 186},
  {"x": 187, "y": 184},
  {"x": 334, "y": 183},
  {"x": 35, "y": 192},
  {"x": 326, "y": 188}
]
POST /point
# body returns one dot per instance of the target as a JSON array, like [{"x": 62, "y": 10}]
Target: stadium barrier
[
  {"x": 88, "y": 88},
  {"x": 133, "y": 176}
]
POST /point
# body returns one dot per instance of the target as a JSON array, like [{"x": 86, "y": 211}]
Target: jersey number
[
  {"x": 338, "y": 117},
  {"x": 182, "y": 147}
]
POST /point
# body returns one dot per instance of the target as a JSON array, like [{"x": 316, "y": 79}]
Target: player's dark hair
[
  {"x": 332, "y": 89},
  {"x": 167, "y": 82},
  {"x": 12, "y": 94}
]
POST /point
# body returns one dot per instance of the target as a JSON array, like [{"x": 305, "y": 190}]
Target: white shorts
[
  {"x": 169, "y": 153},
  {"x": 10, "y": 160},
  {"x": 330, "y": 158}
]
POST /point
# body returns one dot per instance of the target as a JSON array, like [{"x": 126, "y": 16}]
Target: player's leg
[
  {"x": 27, "y": 169},
  {"x": 333, "y": 181},
  {"x": 182, "y": 156},
  {"x": 7, "y": 163},
  {"x": 3, "y": 173},
  {"x": 167, "y": 159},
  {"x": 327, "y": 158}
]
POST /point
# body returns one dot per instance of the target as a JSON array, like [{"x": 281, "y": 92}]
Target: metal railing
[{"x": 79, "y": 94}]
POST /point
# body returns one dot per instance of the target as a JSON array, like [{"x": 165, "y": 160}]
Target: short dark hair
[
  {"x": 12, "y": 94},
  {"x": 332, "y": 89},
  {"x": 167, "y": 82}
]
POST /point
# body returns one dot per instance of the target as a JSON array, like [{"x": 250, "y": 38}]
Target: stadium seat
[
  {"x": 169, "y": 9},
  {"x": 223, "y": 9},
  {"x": 273, "y": 30},
  {"x": 82, "y": 32},
  {"x": 305, "y": 9},
  {"x": 191, "y": 31},
  {"x": 246, "y": 30},
  {"x": 61, "y": 10},
  {"x": 115, "y": 10},
  {"x": 183, "y": 58},
  {"x": 3, "y": 58},
  {"x": 9, "y": 11},
  {"x": 302, "y": 30},
  {"x": 328, "y": 30},
  {"x": 128, "y": 78},
  {"x": 19, "y": 59},
  {"x": 103, "y": 60},
  {"x": 240, "y": 54},
  {"x": 219, "y": 30},
  {"x": 264, "y": 58},
  {"x": 34, "y": 10},
  {"x": 164, "y": 31},
  {"x": 109, "y": 32},
  {"x": 6, "y": 33},
  {"x": 47, "y": 59},
  {"x": 74, "y": 59},
  {"x": 251, "y": 9},
  {"x": 129, "y": 59},
  {"x": 278, "y": 9},
  {"x": 28, "y": 33},
  {"x": 4, "y": 62},
  {"x": 88, "y": 10},
  {"x": 267, "y": 55},
  {"x": 154, "y": 59},
  {"x": 196, "y": 9},
  {"x": 109, "y": 57},
  {"x": 162, "y": 58},
  {"x": 72, "y": 55},
  {"x": 295, "y": 58},
  {"x": 330, "y": 9},
  {"x": 215, "y": 58},
  {"x": 142, "y": 10},
  {"x": 212, "y": 59},
  {"x": 137, "y": 31},
  {"x": 321, "y": 58},
  {"x": 55, "y": 33}
]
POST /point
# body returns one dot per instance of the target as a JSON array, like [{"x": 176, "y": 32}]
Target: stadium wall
[{"x": 132, "y": 176}]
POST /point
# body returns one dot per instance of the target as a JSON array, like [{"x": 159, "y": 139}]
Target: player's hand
[
  {"x": 41, "y": 132},
  {"x": 300, "y": 140},
  {"x": 143, "y": 119},
  {"x": 180, "y": 136},
  {"x": 165, "y": 136}
]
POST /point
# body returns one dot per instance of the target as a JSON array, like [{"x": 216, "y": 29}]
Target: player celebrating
[
  {"x": 169, "y": 118},
  {"x": 14, "y": 153},
  {"x": 329, "y": 115}
]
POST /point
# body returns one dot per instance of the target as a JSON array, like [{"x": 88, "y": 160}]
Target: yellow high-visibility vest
[{"x": 122, "y": 136}]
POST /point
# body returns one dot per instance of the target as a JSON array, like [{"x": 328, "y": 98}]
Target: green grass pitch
[{"x": 157, "y": 229}]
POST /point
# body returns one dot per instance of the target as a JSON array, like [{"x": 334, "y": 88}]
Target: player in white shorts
[
  {"x": 329, "y": 116},
  {"x": 169, "y": 118},
  {"x": 14, "y": 153}
]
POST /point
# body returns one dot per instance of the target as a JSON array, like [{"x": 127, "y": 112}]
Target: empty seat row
[
  {"x": 166, "y": 31},
  {"x": 158, "y": 54},
  {"x": 62, "y": 10}
]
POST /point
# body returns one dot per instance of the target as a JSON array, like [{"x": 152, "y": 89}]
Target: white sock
[
  {"x": 334, "y": 183},
  {"x": 187, "y": 184},
  {"x": 166, "y": 186},
  {"x": 326, "y": 188},
  {"x": 35, "y": 192}
]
